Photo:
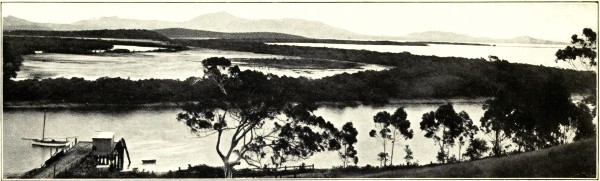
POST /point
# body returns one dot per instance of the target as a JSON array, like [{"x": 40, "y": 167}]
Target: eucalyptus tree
[
  {"x": 347, "y": 138},
  {"x": 391, "y": 128},
  {"x": 253, "y": 119},
  {"x": 444, "y": 126}
]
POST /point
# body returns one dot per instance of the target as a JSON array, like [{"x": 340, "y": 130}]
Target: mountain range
[{"x": 225, "y": 22}]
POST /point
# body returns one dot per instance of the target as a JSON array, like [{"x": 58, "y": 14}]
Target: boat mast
[{"x": 44, "y": 128}]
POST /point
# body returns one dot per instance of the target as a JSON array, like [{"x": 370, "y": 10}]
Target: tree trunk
[
  {"x": 384, "y": 151},
  {"x": 392, "y": 155},
  {"x": 459, "y": 147},
  {"x": 345, "y": 156},
  {"x": 497, "y": 143}
]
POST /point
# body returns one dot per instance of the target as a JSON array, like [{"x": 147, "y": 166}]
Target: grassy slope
[{"x": 571, "y": 160}]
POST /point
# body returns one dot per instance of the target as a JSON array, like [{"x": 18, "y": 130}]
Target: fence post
[{"x": 54, "y": 172}]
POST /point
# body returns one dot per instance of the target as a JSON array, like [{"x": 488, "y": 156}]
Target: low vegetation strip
[
  {"x": 577, "y": 159},
  {"x": 121, "y": 33},
  {"x": 301, "y": 63}
]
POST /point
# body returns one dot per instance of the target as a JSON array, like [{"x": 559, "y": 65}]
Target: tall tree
[
  {"x": 444, "y": 126},
  {"x": 382, "y": 133},
  {"x": 260, "y": 123},
  {"x": 391, "y": 128},
  {"x": 347, "y": 137},
  {"x": 400, "y": 129},
  {"x": 496, "y": 121},
  {"x": 583, "y": 50}
]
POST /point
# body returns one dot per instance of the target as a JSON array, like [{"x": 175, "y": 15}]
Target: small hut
[{"x": 103, "y": 143}]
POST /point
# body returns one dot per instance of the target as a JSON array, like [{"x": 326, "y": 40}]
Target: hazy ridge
[{"x": 220, "y": 23}]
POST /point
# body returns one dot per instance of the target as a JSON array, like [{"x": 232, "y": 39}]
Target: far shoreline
[{"x": 53, "y": 105}]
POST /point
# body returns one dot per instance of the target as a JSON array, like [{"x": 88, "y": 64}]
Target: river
[
  {"x": 156, "y": 134},
  {"x": 157, "y": 65},
  {"x": 535, "y": 54}
]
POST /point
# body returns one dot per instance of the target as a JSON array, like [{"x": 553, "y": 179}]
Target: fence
[{"x": 276, "y": 172}]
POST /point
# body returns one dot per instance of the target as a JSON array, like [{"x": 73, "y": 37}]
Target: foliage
[
  {"x": 583, "y": 48},
  {"x": 347, "y": 137},
  {"x": 536, "y": 114},
  {"x": 250, "y": 107},
  {"x": 382, "y": 157},
  {"x": 27, "y": 45},
  {"x": 119, "y": 33},
  {"x": 476, "y": 149},
  {"x": 391, "y": 128},
  {"x": 409, "y": 155},
  {"x": 450, "y": 125},
  {"x": 11, "y": 61}
]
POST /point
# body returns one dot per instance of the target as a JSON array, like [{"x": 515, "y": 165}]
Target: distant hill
[
  {"x": 119, "y": 33},
  {"x": 188, "y": 33},
  {"x": 439, "y": 36},
  {"x": 225, "y": 22},
  {"x": 14, "y": 23},
  {"x": 220, "y": 23}
]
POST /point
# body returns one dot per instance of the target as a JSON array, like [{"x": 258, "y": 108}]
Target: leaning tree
[{"x": 253, "y": 119}]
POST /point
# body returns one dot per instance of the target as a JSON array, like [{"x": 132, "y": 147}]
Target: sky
[{"x": 551, "y": 21}]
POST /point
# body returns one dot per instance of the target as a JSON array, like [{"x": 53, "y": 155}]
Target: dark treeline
[
  {"x": 27, "y": 45},
  {"x": 359, "y": 42},
  {"x": 362, "y": 56},
  {"x": 119, "y": 33},
  {"x": 334, "y": 41},
  {"x": 367, "y": 87}
]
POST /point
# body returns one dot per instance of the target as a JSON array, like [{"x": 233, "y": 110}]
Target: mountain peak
[
  {"x": 15, "y": 19},
  {"x": 222, "y": 15}
]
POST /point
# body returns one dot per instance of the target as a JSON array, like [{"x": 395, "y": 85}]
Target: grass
[{"x": 575, "y": 160}]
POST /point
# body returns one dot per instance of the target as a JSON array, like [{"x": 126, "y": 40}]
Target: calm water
[
  {"x": 146, "y": 65},
  {"x": 534, "y": 54},
  {"x": 156, "y": 134}
]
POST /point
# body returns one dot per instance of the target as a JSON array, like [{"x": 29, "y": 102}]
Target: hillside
[
  {"x": 188, "y": 33},
  {"x": 13, "y": 23},
  {"x": 221, "y": 23},
  {"x": 575, "y": 160},
  {"x": 439, "y": 36}
]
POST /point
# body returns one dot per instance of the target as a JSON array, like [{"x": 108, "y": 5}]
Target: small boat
[
  {"x": 48, "y": 142},
  {"x": 149, "y": 161}
]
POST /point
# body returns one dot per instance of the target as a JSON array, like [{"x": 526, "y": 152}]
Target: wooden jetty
[{"x": 109, "y": 156}]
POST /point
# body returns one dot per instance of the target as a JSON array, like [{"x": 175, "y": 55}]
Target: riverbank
[
  {"x": 54, "y": 105},
  {"x": 574, "y": 160}
]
